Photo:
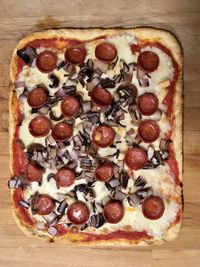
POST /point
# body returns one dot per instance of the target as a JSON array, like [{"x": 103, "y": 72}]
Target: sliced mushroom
[
  {"x": 144, "y": 192},
  {"x": 158, "y": 158},
  {"x": 62, "y": 207},
  {"x": 55, "y": 80},
  {"x": 124, "y": 178},
  {"x": 54, "y": 118},
  {"x": 164, "y": 144},
  {"x": 100, "y": 65},
  {"x": 85, "y": 75},
  {"x": 27, "y": 54},
  {"x": 60, "y": 65},
  {"x": 134, "y": 200},
  {"x": 52, "y": 231},
  {"x": 140, "y": 182},
  {"x": 24, "y": 204},
  {"x": 107, "y": 83}
]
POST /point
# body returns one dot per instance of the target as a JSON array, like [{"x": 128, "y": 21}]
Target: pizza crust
[{"x": 164, "y": 37}]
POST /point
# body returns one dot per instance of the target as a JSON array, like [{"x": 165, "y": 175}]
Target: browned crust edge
[{"x": 152, "y": 34}]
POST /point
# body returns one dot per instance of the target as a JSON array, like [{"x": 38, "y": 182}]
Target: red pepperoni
[
  {"x": 46, "y": 61},
  {"x": 70, "y": 106},
  {"x": 148, "y": 104},
  {"x": 135, "y": 48},
  {"x": 43, "y": 204},
  {"x": 106, "y": 52},
  {"x": 104, "y": 172},
  {"x": 148, "y": 61},
  {"x": 153, "y": 207},
  {"x": 62, "y": 131},
  {"x": 101, "y": 97},
  {"x": 113, "y": 211},
  {"x": 37, "y": 97},
  {"x": 103, "y": 136},
  {"x": 78, "y": 213},
  {"x": 33, "y": 173},
  {"x": 75, "y": 54},
  {"x": 135, "y": 158},
  {"x": 39, "y": 126},
  {"x": 149, "y": 131},
  {"x": 65, "y": 177}
]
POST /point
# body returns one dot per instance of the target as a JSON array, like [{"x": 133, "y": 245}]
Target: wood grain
[{"x": 19, "y": 18}]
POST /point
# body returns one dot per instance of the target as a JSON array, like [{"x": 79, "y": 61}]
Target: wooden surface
[{"x": 19, "y": 18}]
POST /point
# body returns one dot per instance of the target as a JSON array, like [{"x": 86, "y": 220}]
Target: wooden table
[{"x": 19, "y": 18}]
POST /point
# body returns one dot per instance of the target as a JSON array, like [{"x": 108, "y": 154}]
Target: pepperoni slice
[
  {"x": 39, "y": 126},
  {"x": 135, "y": 158},
  {"x": 65, "y": 177},
  {"x": 113, "y": 211},
  {"x": 101, "y": 97},
  {"x": 37, "y": 97},
  {"x": 70, "y": 106},
  {"x": 75, "y": 54},
  {"x": 46, "y": 61},
  {"x": 149, "y": 131},
  {"x": 106, "y": 52},
  {"x": 78, "y": 213},
  {"x": 148, "y": 104},
  {"x": 43, "y": 204},
  {"x": 153, "y": 207},
  {"x": 62, "y": 131},
  {"x": 33, "y": 173},
  {"x": 104, "y": 172},
  {"x": 148, "y": 61},
  {"x": 103, "y": 136}
]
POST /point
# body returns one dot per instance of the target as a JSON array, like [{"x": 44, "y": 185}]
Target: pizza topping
[
  {"x": 113, "y": 211},
  {"x": 148, "y": 104},
  {"x": 78, "y": 213},
  {"x": 104, "y": 172},
  {"x": 46, "y": 61},
  {"x": 14, "y": 182},
  {"x": 37, "y": 97},
  {"x": 27, "y": 54},
  {"x": 153, "y": 208},
  {"x": 65, "y": 177},
  {"x": 43, "y": 204},
  {"x": 39, "y": 126},
  {"x": 55, "y": 80},
  {"x": 103, "y": 136},
  {"x": 105, "y": 52},
  {"x": 70, "y": 106},
  {"x": 33, "y": 173},
  {"x": 62, "y": 131},
  {"x": 75, "y": 54},
  {"x": 101, "y": 97},
  {"x": 148, "y": 61},
  {"x": 149, "y": 131},
  {"x": 135, "y": 158}
]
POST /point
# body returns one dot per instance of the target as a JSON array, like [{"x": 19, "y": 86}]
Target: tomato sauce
[
  {"x": 173, "y": 165},
  {"x": 21, "y": 211}
]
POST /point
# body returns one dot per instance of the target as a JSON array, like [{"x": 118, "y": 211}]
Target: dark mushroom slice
[
  {"x": 134, "y": 200},
  {"x": 61, "y": 65},
  {"x": 24, "y": 204},
  {"x": 85, "y": 75},
  {"x": 27, "y": 54},
  {"x": 55, "y": 80},
  {"x": 107, "y": 83},
  {"x": 62, "y": 207},
  {"x": 164, "y": 144},
  {"x": 54, "y": 118},
  {"x": 144, "y": 192},
  {"x": 140, "y": 183},
  {"x": 97, "y": 220},
  {"x": 158, "y": 158},
  {"x": 124, "y": 178}
]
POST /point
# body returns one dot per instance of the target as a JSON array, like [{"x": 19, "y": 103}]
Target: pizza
[{"x": 96, "y": 136}]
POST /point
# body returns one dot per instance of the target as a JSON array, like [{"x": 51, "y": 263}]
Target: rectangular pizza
[{"x": 96, "y": 136}]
